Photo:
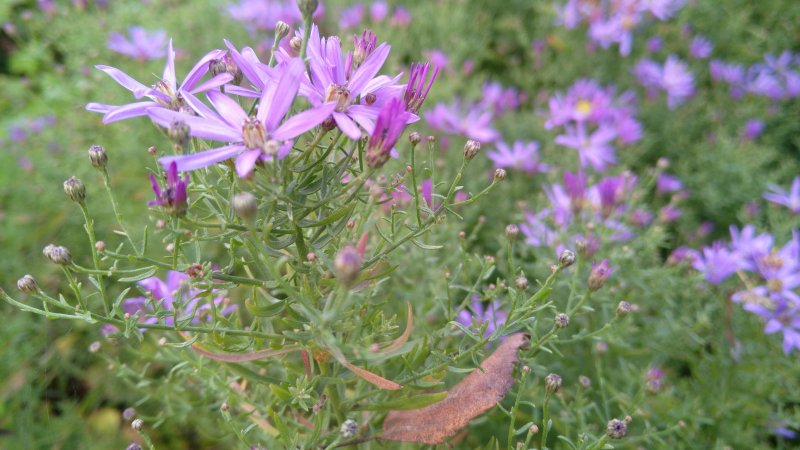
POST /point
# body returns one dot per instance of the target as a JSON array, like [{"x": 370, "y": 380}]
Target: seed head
[
  {"x": 57, "y": 254},
  {"x": 27, "y": 284},
  {"x": 98, "y": 156},
  {"x": 552, "y": 383},
  {"x": 471, "y": 149},
  {"x": 75, "y": 190}
]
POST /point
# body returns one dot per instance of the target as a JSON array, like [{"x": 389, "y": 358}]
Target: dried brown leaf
[
  {"x": 468, "y": 399},
  {"x": 373, "y": 378},
  {"x": 398, "y": 343}
]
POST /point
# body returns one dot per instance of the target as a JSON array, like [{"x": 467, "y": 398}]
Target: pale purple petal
[
  {"x": 284, "y": 95},
  {"x": 246, "y": 161},
  {"x": 213, "y": 83},
  {"x": 203, "y": 159},
  {"x": 198, "y": 126},
  {"x": 169, "y": 68},
  {"x": 199, "y": 70},
  {"x": 229, "y": 110},
  {"x": 348, "y": 127},
  {"x": 368, "y": 69},
  {"x": 139, "y": 90},
  {"x": 127, "y": 111},
  {"x": 304, "y": 121}
]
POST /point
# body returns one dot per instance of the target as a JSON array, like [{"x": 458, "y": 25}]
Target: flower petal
[
  {"x": 304, "y": 121},
  {"x": 199, "y": 70},
  {"x": 273, "y": 112},
  {"x": 203, "y": 159},
  {"x": 198, "y": 126},
  {"x": 127, "y": 111},
  {"x": 348, "y": 127},
  {"x": 169, "y": 68},
  {"x": 246, "y": 161},
  {"x": 229, "y": 110},
  {"x": 139, "y": 90},
  {"x": 368, "y": 69}
]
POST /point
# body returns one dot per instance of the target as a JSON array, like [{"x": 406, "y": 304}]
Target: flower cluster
[
  {"x": 378, "y": 11},
  {"x": 673, "y": 77},
  {"x": 262, "y": 16},
  {"x": 776, "y": 78},
  {"x": 142, "y": 44},
  {"x": 614, "y": 22},
  {"x": 593, "y": 119}
]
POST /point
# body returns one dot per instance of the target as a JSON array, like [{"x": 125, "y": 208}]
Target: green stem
[
  {"x": 514, "y": 409},
  {"x": 545, "y": 420},
  {"x": 95, "y": 258},
  {"x": 414, "y": 184},
  {"x": 117, "y": 213}
]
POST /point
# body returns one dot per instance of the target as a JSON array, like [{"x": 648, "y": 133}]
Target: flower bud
[
  {"x": 585, "y": 381},
  {"x": 566, "y": 259},
  {"x": 616, "y": 429},
  {"x": 512, "y": 231},
  {"x": 414, "y": 138},
  {"x": 75, "y": 190},
  {"x": 599, "y": 274},
  {"x": 561, "y": 320},
  {"x": 178, "y": 131},
  {"x": 347, "y": 265},
  {"x": 94, "y": 347},
  {"x": 349, "y": 428},
  {"x": 533, "y": 429},
  {"x": 296, "y": 43},
  {"x": 98, "y": 156},
  {"x": 133, "y": 446},
  {"x": 281, "y": 30},
  {"x": 623, "y": 309},
  {"x": 552, "y": 383},
  {"x": 137, "y": 424},
  {"x": 100, "y": 246},
  {"x": 522, "y": 283},
  {"x": 57, "y": 254},
  {"x": 499, "y": 175},
  {"x": 27, "y": 284},
  {"x": 471, "y": 149},
  {"x": 245, "y": 205},
  {"x": 307, "y": 7}
]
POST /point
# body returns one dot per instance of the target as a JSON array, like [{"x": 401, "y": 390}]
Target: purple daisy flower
[
  {"x": 388, "y": 127},
  {"x": 536, "y": 231},
  {"x": 173, "y": 197},
  {"x": 594, "y": 149},
  {"x": 251, "y": 138},
  {"x": 349, "y": 80},
  {"x": 748, "y": 246},
  {"x": 716, "y": 263},
  {"x": 492, "y": 315},
  {"x": 166, "y": 93},
  {"x": 701, "y": 47},
  {"x": 522, "y": 156},
  {"x": 351, "y": 17},
  {"x": 789, "y": 199},
  {"x": 418, "y": 86},
  {"x": 142, "y": 45}
]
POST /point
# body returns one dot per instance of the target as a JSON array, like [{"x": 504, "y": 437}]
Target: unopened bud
[
  {"x": 512, "y": 231},
  {"x": 526, "y": 369},
  {"x": 462, "y": 234},
  {"x": 137, "y": 424},
  {"x": 100, "y": 246},
  {"x": 623, "y": 309},
  {"x": 552, "y": 383},
  {"x": 522, "y": 283},
  {"x": 349, "y": 428},
  {"x": 128, "y": 414},
  {"x": 471, "y": 149},
  {"x": 414, "y": 138},
  {"x": 584, "y": 381},
  {"x": 307, "y": 7},
  {"x": 98, "y": 156},
  {"x": 94, "y": 347},
  {"x": 599, "y": 274},
  {"x": 296, "y": 43},
  {"x": 133, "y": 446},
  {"x": 245, "y": 205},
  {"x": 616, "y": 429},
  {"x": 566, "y": 259},
  {"x": 178, "y": 131},
  {"x": 533, "y": 429},
  {"x": 75, "y": 190},
  {"x": 311, "y": 256},
  {"x": 499, "y": 175},
  {"x": 224, "y": 407},
  {"x": 152, "y": 150},
  {"x": 347, "y": 265},
  {"x": 561, "y": 320},
  {"x": 281, "y": 30},
  {"x": 57, "y": 254},
  {"x": 27, "y": 284}
]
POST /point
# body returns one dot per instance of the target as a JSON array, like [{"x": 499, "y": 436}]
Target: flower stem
[
  {"x": 117, "y": 213},
  {"x": 95, "y": 258}
]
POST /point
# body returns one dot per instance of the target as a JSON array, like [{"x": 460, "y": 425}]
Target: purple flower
[
  {"x": 491, "y": 315},
  {"x": 165, "y": 93},
  {"x": 388, "y": 127},
  {"x": 674, "y": 78},
  {"x": 594, "y": 149},
  {"x": 523, "y": 156},
  {"x": 378, "y": 11},
  {"x": 418, "y": 86},
  {"x": 753, "y": 129},
  {"x": 401, "y": 17},
  {"x": 174, "y": 296},
  {"x": 654, "y": 378},
  {"x": 748, "y": 247},
  {"x": 666, "y": 183},
  {"x": 700, "y": 48},
  {"x": 438, "y": 58},
  {"x": 142, "y": 45},
  {"x": 716, "y": 263},
  {"x": 500, "y": 99},
  {"x": 611, "y": 193},
  {"x": 341, "y": 79},
  {"x": 537, "y": 233},
  {"x": 474, "y": 123},
  {"x": 654, "y": 44},
  {"x": 599, "y": 274},
  {"x": 173, "y": 197},
  {"x": 669, "y": 213},
  {"x": 351, "y": 17},
  {"x": 261, "y": 15},
  {"x": 790, "y": 199},
  {"x": 251, "y": 138}
]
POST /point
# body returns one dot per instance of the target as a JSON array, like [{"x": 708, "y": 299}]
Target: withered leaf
[
  {"x": 468, "y": 399},
  {"x": 373, "y": 378},
  {"x": 398, "y": 343},
  {"x": 243, "y": 357}
]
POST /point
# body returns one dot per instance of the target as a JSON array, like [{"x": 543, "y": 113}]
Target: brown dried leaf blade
[{"x": 468, "y": 399}]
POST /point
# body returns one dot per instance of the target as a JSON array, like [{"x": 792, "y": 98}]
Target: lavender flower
[
  {"x": 789, "y": 199},
  {"x": 666, "y": 183},
  {"x": 174, "y": 296},
  {"x": 748, "y": 246},
  {"x": 594, "y": 149},
  {"x": 471, "y": 120},
  {"x": 674, "y": 78},
  {"x": 351, "y": 17},
  {"x": 251, "y": 138},
  {"x": 752, "y": 129},
  {"x": 418, "y": 86},
  {"x": 716, "y": 263},
  {"x": 142, "y": 45},
  {"x": 522, "y": 156},
  {"x": 173, "y": 197},
  {"x": 165, "y": 93},
  {"x": 700, "y": 48},
  {"x": 388, "y": 127},
  {"x": 599, "y": 274},
  {"x": 492, "y": 315}
]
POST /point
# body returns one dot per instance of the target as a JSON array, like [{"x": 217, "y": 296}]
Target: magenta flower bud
[
  {"x": 599, "y": 274},
  {"x": 57, "y": 254},
  {"x": 75, "y": 190},
  {"x": 616, "y": 429},
  {"x": 347, "y": 265},
  {"x": 561, "y": 320},
  {"x": 389, "y": 126},
  {"x": 27, "y": 284}
]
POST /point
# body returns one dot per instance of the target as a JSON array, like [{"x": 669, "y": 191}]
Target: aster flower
[
  {"x": 260, "y": 15},
  {"x": 251, "y": 138},
  {"x": 355, "y": 88},
  {"x": 471, "y": 120},
  {"x": 173, "y": 197},
  {"x": 748, "y": 246},
  {"x": 522, "y": 156},
  {"x": 142, "y": 45},
  {"x": 700, "y": 48},
  {"x": 789, "y": 199},
  {"x": 400, "y": 18},
  {"x": 753, "y": 129},
  {"x": 673, "y": 77},
  {"x": 378, "y": 11},
  {"x": 500, "y": 99},
  {"x": 418, "y": 86},
  {"x": 491, "y": 315},
  {"x": 594, "y": 149},
  {"x": 666, "y": 183},
  {"x": 175, "y": 297},
  {"x": 351, "y": 17},
  {"x": 608, "y": 194},
  {"x": 166, "y": 92},
  {"x": 536, "y": 231},
  {"x": 716, "y": 263},
  {"x": 388, "y": 127},
  {"x": 599, "y": 274}
]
